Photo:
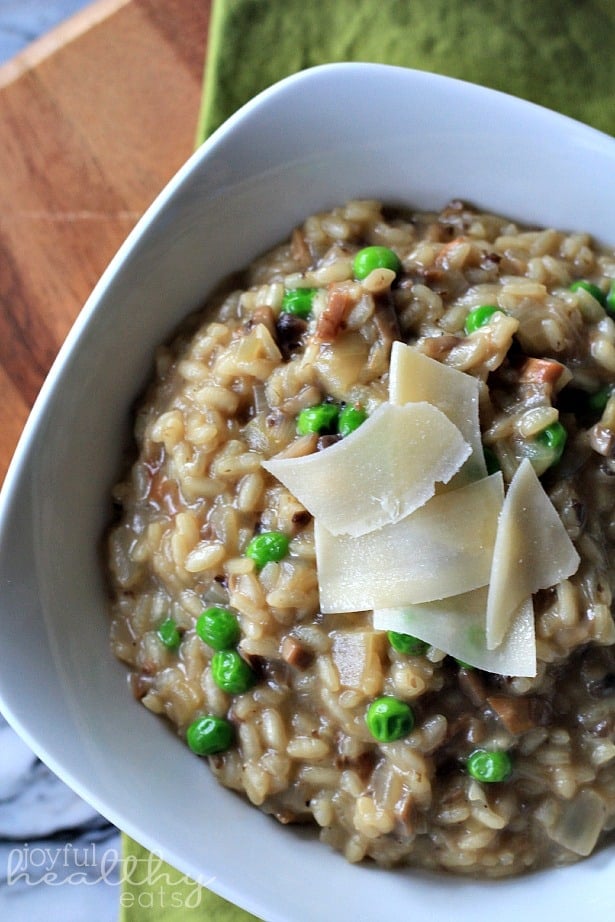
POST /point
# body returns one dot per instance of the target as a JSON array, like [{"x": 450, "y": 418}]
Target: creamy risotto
[{"x": 362, "y": 559}]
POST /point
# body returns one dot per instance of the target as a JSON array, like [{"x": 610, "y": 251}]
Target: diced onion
[{"x": 580, "y": 823}]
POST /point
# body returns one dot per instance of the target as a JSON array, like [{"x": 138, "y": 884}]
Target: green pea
[
  {"x": 489, "y": 765},
  {"x": 553, "y": 438},
  {"x": 268, "y": 547},
  {"x": 218, "y": 627},
  {"x": 299, "y": 301},
  {"x": 389, "y": 719},
  {"x": 610, "y": 299},
  {"x": 597, "y": 401},
  {"x": 168, "y": 632},
  {"x": 592, "y": 289},
  {"x": 208, "y": 735},
  {"x": 321, "y": 418},
  {"x": 492, "y": 462},
  {"x": 406, "y": 643},
  {"x": 231, "y": 673},
  {"x": 480, "y": 317},
  {"x": 350, "y": 418},
  {"x": 375, "y": 257}
]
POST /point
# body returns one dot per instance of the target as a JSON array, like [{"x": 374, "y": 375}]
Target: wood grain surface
[{"x": 95, "y": 118}]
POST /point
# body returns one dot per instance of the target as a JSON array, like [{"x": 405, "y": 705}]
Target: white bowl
[{"x": 310, "y": 142}]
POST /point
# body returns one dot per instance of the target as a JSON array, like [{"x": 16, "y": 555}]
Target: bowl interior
[{"x": 316, "y": 139}]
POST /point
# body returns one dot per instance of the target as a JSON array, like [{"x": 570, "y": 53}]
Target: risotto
[{"x": 313, "y": 664}]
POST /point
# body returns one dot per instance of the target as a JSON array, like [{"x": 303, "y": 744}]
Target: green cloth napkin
[
  {"x": 554, "y": 52},
  {"x": 153, "y": 891}
]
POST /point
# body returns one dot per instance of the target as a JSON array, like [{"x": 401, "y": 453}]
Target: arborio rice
[{"x": 228, "y": 393}]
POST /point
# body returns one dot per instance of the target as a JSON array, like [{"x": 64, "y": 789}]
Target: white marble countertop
[
  {"x": 59, "y": 860},
  {"x": 21, "y": 21}
]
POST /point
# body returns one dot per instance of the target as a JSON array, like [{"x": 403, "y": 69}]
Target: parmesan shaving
[
  {"x": 431, "y": 554},
  {"x": 457, "y": 626},
  {"x": 532, "y": 551},
  {"x": 378, "y": 474},
  {"x": 415, "y": 377},
  {"x": 408, "y": 524}
]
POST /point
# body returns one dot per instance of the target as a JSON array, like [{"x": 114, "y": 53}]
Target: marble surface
[
  {"x": 59, "y": 860},
  {"x": 21, "y": 21}
]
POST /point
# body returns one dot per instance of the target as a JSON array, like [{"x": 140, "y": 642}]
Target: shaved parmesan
[
  {"x": 415, "y": 377},
  {"x": 457, "y": 626},
  {"x": 532, "y": 551},
  {"x": 378, "y": 474},
  {"x": 443, "y": 549}
]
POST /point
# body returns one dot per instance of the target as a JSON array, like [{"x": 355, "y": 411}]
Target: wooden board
[{"x": 95, "y": 118}]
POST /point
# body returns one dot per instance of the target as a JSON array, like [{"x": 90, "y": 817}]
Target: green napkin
[
  {"x": 554, "y": 52},
  {"x": 153, "y": 891}
]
